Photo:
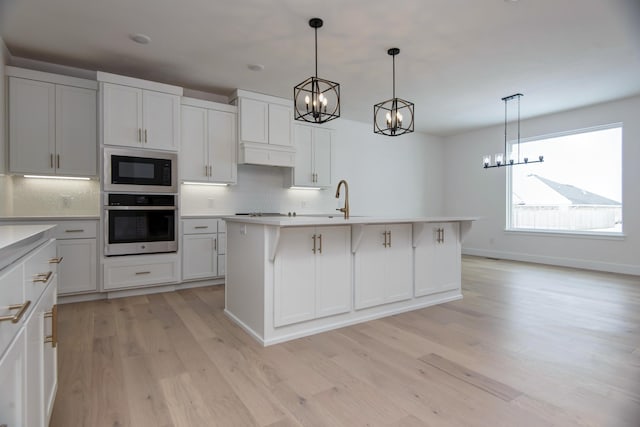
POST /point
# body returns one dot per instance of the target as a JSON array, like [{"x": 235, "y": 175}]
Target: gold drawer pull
[
  {"x": 53, "y": 338},
  {"x": 198, "y": 227},
  {"x": 142, "y": 272},
  {"x": 56, "y": 260},
  {"x": 42, "y": 277},
  {"x": 76, "y": 230},
  {"x": 16, "y": 317}
]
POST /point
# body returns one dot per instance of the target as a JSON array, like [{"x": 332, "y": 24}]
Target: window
[{"x": 578, "y": 187}]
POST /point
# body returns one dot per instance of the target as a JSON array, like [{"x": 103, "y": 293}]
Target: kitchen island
[{"x": 289, "y": 277}]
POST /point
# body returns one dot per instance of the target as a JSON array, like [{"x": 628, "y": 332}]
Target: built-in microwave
[{"x": 135, "y": 170}]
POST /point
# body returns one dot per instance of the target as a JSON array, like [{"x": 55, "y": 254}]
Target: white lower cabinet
[
  {"x": 12, "y": 391},
  {"x": 384, "y": 265},
  {"x": 78, "y": 271},
  {"x": 140, "y": 270},
  {"x": 312, "y": 273},
  {"x": 437, "y": 259},
  {"x": 202, "y": 248}
]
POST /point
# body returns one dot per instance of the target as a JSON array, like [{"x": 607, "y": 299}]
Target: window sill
[{"x": 566, "y": 233}]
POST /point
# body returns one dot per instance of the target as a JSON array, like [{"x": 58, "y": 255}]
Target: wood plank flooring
[{"x": 529, "y": 345}]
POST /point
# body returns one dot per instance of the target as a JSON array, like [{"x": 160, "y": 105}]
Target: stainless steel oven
[
  {"x": 140, "y": 224},
  {"x": 136, "y": 170}
]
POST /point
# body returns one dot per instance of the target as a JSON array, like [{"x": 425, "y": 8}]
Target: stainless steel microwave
[{"x": 135, "y": 170}]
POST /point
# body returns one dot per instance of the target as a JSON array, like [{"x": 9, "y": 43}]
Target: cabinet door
[
  {"x": 161, "y": 120},
  {"x": 437, "y": 266},
  {"x": 76, "y": 144},
  {"x": 223, "y": 146},
  {"x": 303, "y": 171},
  {"x": 322, "y": 156},
  {"x": 333, "y": 271},
  {"x": 31, "y": 126},
  {"x": 280, "y": 124},
  {"x": 50, "y": 352},
  {"x": 122, "y": 115},
  {"x": 194, "y": 153},
  {"x": 294, "y": 284},
  {"x": 399, "y": 263},
  {"x": 12, "y": 389},
  {"x": 370, "y": 268},
  {"x": 199, "y": 256},
  {"x": 77, "y": 271},
  {"x": 34, "y": 359},
  {"x": 254, "y": 120}
]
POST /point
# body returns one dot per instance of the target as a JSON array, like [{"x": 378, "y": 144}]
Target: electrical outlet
[{"x": 66, "y": 201}]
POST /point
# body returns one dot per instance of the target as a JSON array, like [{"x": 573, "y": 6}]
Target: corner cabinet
[
  {"x": 383, "y": 265},
  {"x": 209, "y": 142},
  {"x": 313, "y": 156},
  {"x": 312, "y": 274},
  {"x": 138, "y": 113},
  {"x": 265, "y": 129},
  {"x": 437, "y": 258},
  {"x": 52, "y": 124}
]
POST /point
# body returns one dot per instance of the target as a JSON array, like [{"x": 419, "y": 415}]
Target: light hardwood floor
[{"x": 528, "y": 345}]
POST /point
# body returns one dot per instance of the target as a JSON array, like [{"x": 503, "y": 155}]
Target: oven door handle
[{"x": 141, "y": 208}]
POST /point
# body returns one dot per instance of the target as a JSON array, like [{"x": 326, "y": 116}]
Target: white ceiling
[{"x": 458, "y": 57}]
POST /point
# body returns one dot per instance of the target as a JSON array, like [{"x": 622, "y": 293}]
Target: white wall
[
  {"x": 387, "y": 176},
  {"x": 472, "y": 190},
  {"x": 4, "y": 59}
]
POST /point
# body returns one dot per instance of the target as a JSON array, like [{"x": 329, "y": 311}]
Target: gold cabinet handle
[
  {"x": 16, "y": 317},
  {"x": 56, "y": 260},
  {"x": 58, "y": 161},
  {"x": 77, "y": 230},
  {"x": 197, "y": 227},
  {"x": 215, "y": 244},
  {"x": 51, "y": 160},
  {"x": 320, "y": 238},
  {"x": 314, "y": 244},
  {"x": 42, "y": 277},
  {"x": 53, "y": 338},
  {"x": 210, "y": 170},
  {"x": 138, "y": 273},
  {"x": 145, "y": 136},
  {"x": 442, "y": 229},
  {"x": 384, "y": 233},
  {"x": 389, "y": 244},
  {"x": 139, "y": 135}
]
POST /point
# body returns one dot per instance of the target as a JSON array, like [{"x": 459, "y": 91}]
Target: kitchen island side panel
[{"x": 245, "y": 278}]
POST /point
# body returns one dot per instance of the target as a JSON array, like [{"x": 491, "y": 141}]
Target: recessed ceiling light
[
  {"x": 256, "y": 67},
  {"x": 140, "y": 38}
]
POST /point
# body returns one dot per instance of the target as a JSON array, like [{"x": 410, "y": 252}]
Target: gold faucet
[{"x": 345, "y": 209}]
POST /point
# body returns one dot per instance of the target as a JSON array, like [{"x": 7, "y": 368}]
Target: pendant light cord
[
  {"x": 316, "y": 31},
  {"x": 394, "y": 76}
]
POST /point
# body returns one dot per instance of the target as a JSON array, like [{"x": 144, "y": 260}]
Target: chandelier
[{"x": 393, "y": 117}]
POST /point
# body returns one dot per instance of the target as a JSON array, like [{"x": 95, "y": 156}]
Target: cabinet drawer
[
  {"x": 39, "y": 270},
  {"x": 200, "y": 226},
  {"x": 76, "y": 230},
  {"x": 11, "y": 294},
  {"x": 127, "y": 274}
]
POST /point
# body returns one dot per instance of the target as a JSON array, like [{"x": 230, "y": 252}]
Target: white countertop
[
  {"x": 301, "y": 221},
  {"x": 51, "y": 218},
  {"x": 15, "y": 240}
]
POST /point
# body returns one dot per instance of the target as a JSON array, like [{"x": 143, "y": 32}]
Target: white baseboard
[
  {"x": 68, "y": 299},
  {"x": 163, "y": 288},
  {"x": 563, "y": 262}
]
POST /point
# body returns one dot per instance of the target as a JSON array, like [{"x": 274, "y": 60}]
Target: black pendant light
[
  {"x": 316, "y": 100},
  {"x": 393, "y": 117},
  {"x": 500, "y": 159}
]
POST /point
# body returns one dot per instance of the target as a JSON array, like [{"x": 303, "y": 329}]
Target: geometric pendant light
[
  {"x": 393, "y": 117},
  {"x": 316, "y": 100}
]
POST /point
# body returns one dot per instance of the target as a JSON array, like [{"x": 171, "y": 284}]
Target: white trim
[
  {"x": 41, "y": 76},
  {"x": 210, "y": 105},
  {"x": 244, "y": 327},
  {"x": 240, "y": 93},
  {"x": 138, "y": 83},
  {"x": 567, "y": 233},
  {"x": 563, "y": 262},
  {"x": 94, "y": 296}
]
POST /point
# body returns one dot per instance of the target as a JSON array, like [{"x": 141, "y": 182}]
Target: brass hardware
[
  {"x": 442, "y": 231},
  {"x": 51, "y": 160},
  {"x": 215, "y": 244},
  {"x": 142, "y": 272},
  {"x": 56, "y": 260},
  {"x": 42, "y": 277},
  {"x": 210, "y": 170},
  {"x": 201, "y": 226},
  {"x": 58, "y": 160},
  {"x": 345, "y": 209},
  {"x": 53, "y": 338},
  {"x": 437, "y": 235},
  {"x": 384, "y": 233},
  {"x": 314, "y": 244},
  {"x": 77, "y": 230},
  {"x": 139, "y": 135},
  {"x": 16, "y": 317},
  {"x": 389, "y": 232},
  {"x": 145, "y": 136},
  {"x": 206, "y": 170},
  {"x": 320, "y": 238}
]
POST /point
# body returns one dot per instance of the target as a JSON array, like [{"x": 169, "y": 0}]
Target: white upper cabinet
[
  {"x": 139, "y": 113},
  {"x": 209, "y": 142},
  {"x": 52, "y": 126},
  {"x": 313, "y": 156},
  {"x": 254, "y": 120},
  {"x": 280, "y": 122}
]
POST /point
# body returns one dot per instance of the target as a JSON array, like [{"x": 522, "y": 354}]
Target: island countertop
[
  {"x": 338, "y": 219},
  {"x": 15, "y": 240}
]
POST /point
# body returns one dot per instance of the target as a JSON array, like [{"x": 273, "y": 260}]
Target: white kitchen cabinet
[
  {"x": 312, "y": 274},
  {"x": 12, "y": 376},
  {"x": 437, "y": 259},
  {"x": 77, "y": 273},
  {"x": 313, "y": 156},
  {"x": 209, "y": 143},
  {"x": 201, "y": 249},
  {"x": 280, "y": 122},
  {"x": 139, "y": 113},
  {"x": 254, "y": 120},
  {"x": 52, "y": 127},
  {"x": 384, "y": 265},
  {"x": 140, "y": 271}
]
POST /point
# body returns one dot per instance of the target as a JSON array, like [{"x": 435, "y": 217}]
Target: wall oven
[
  {"x": 135, "y": 170},
  {"x": 140, "y": 224}
]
